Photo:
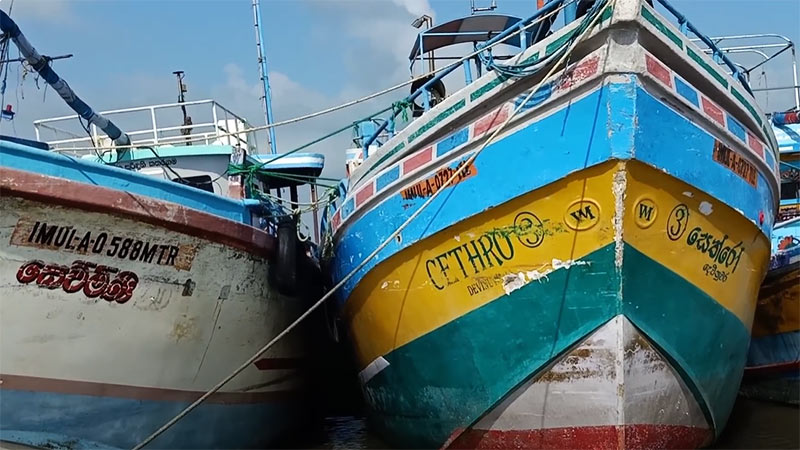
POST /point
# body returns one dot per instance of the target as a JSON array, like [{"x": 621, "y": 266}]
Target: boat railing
[
  {"x": 768, "y": 47},
  {"x": 425, "y": 88},
  {"x": 154, "y": 125},
  {"x": 687, "y": 27}
]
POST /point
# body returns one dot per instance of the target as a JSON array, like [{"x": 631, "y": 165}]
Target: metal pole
[
  {"x": 794, "y": 74},
  {"x": 262, "y": 63},
  {"x": 316, "y": 220}
]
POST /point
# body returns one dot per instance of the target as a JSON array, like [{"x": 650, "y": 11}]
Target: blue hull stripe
[
  {"x": 687, "y": 92},
  {"x": 452, "y": 142},
  {"x": 774, "y": 349},
  {"x": 551, "y": 152},
  {"x": 33, "y": 418},
  {"x": 545, "y": 151}
]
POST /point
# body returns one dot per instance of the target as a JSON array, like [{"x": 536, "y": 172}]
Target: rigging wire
[{"x": 364, "y": 262}]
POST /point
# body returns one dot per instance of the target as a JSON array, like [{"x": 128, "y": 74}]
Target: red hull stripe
[
  {"x": 778, "y": 368},
  {"x": 713, "y": 111},
  {"x": 175, "y": 217},
  {"x": 54, "y": 385},
  {"x": 337, "y": 219},
  {"x": 364, "y": 194},
  {"x": 658, "y": 70},
  {"x": 629, "y": 437},
  {"x": 579, "y": 73},
  {"x": 755, "y": 145},
  {"x": 416, "y": 161},
  {"x": 490, "y": 121}
]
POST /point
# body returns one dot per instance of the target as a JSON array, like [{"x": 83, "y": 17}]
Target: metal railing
[
  {"x": 146, "y": 128},
  {"x": 773, "y": 50},
  {"x": 686, "y": 26},
  {"x": 519, "y": 27}
]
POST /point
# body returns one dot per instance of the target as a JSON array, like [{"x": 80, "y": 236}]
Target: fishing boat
[
  {"x": 140, "y": 271},
  {"x": 773, "y": 363},
  {"x": 566, "y": 251}
]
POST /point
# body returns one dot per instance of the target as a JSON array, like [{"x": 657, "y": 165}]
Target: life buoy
[
  {"x": 437, "y": 91},
  {"x": 285, "y": 265}
]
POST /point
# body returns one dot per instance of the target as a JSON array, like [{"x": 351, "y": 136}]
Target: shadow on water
[{"x": 756, "y": 424}]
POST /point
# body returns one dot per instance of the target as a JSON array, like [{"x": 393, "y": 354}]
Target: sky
[{"x": 320, "y": 53}]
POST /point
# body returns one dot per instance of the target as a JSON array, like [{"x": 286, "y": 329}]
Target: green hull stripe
[
  {"x": 451, "y": 376},
  {"x": 703, "y": 339},
  {"x": 720, "y": 79},
  {"x": 747, "y": 105},
  {"x": 441, "y": 116},
  {"x": 448, "y": 378},
  {"x": 662, "y": 28},
  {"x": 478, "y": 93}
]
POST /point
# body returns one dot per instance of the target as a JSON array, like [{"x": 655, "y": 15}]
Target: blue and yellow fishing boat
[
  {"x": 567, "y": 251},
  {"x": 773, "y": 363}
]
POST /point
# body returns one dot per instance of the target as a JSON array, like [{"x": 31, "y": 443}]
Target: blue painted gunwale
[
  {"x": 680, "y": 88},
  {"x": 490, "y": 82},
  {"x": 98, "y": 422},
  {"x": 161, "y": 152},
  {"x": 30, "y": 159},
  {"x": 586, "y": 118}
]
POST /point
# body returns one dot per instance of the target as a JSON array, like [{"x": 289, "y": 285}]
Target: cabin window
[
  {"x": 200, "y": 182},
  {"x": 790, "y": 190}
]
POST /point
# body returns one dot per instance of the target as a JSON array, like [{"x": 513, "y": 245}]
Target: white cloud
[
  {"x": 56, "y": 11},
  {"x": 415, "y": 7}
]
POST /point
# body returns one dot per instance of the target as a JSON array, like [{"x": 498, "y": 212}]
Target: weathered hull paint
[
  {"x": 111, "y": 324},
  {"x": 427, "y": 323},
  {"x": 625, "y": 198},
  {"x": 773, "y": 362}
]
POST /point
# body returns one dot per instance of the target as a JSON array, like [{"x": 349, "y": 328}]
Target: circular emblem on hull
[
  {"x": 677, "y": 222},
  {"x": 582, "y": 214},
  {"x": 530, "y": 230},
  {"x": 645, "y": 212}
]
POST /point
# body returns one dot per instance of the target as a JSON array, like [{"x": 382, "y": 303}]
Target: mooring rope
[{"x": 386, "y": 242}]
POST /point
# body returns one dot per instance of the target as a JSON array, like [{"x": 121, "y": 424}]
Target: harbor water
[{"x": 754, "y": 424}]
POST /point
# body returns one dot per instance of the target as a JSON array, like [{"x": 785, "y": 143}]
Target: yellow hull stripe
[
  {"x": 694, "y": 235},
  {"x": 464, "y": 267},
  {"x": 484, "y": 257}
]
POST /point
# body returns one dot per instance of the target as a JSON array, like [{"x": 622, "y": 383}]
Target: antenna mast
[{"x": 262, "y": 65}]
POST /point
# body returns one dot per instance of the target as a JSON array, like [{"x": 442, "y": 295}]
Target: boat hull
[
  {"x": 449, "y": 329},
  {"x": 118, "y": 310},
  {"x": 588, "y": 278}
]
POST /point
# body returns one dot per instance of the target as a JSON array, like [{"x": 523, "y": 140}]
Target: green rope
[
  {"x": 249, "y": 171},
  {"x": 401, "y": 107},
  {"x": 318, "y": 140}
]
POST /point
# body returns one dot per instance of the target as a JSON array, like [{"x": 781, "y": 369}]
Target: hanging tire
[{"x": 286, "y": 262}]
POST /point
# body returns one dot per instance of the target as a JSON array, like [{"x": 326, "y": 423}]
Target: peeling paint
[
  {"x": 688, "y": 194},
  {"x": 706, "y": 208},
  {"x": 619, "y": 187},
  {"x": 514, "y": 281}
]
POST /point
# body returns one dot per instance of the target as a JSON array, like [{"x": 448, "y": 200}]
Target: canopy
[{"x": 475, "y": 28}]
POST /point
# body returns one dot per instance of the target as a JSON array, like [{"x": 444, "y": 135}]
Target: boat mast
[
  {"x": 262, "y": 65},
  {"x": 42, "y": 65}
]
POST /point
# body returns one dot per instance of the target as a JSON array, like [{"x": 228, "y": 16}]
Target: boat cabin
[{"x": 197, "y": 143}]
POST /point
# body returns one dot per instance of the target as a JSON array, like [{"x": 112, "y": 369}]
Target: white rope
[
  {"x": 364, "y": 262},
  {"x": 343, "y": 105}
]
